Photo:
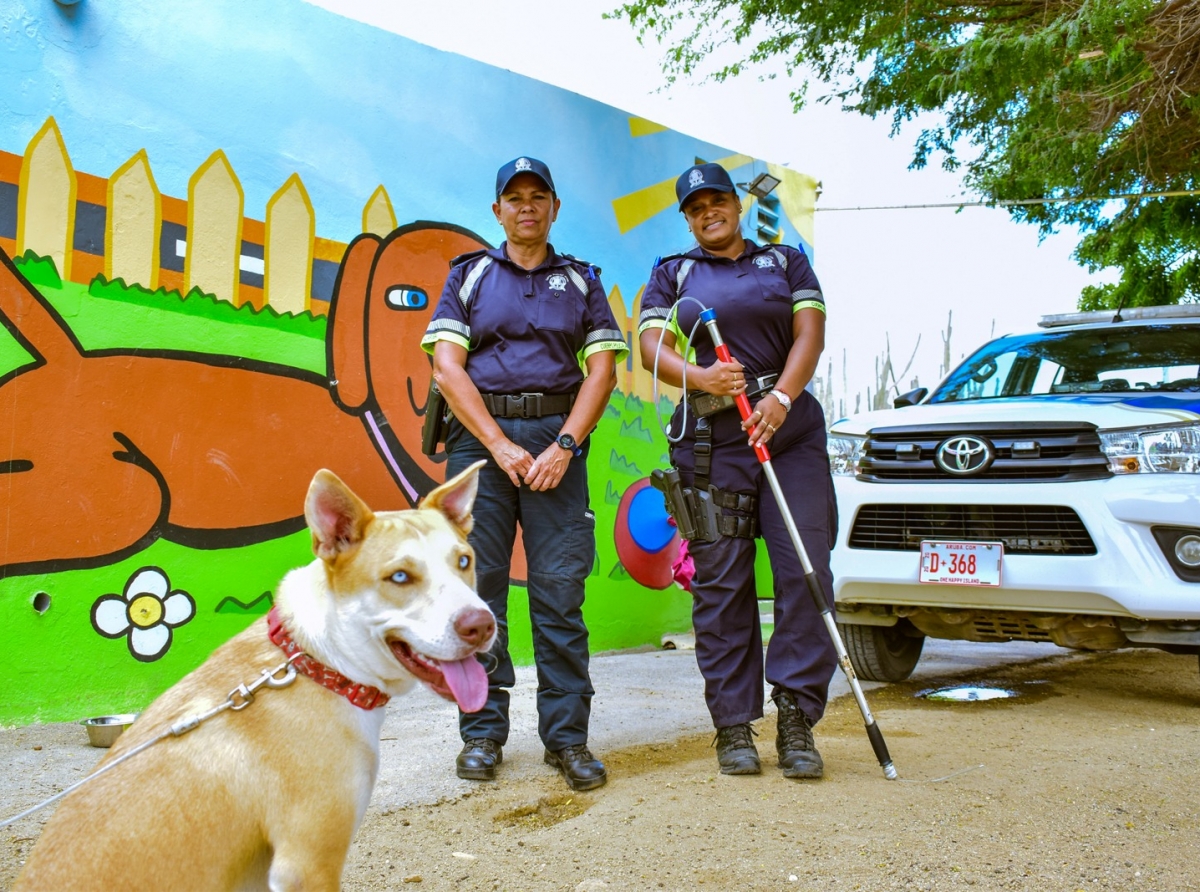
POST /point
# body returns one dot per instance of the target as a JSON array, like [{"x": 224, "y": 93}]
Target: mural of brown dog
[{"x": 104, "y": 451}]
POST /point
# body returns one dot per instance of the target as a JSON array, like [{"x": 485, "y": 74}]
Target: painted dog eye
[
  {"x": 406, "y": 297},
  {"x": 464, "y": 562},
  {"x": 401, "y": 578}
]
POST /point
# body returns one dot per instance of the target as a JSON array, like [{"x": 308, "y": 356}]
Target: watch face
[{"x": 566, "y": 441}]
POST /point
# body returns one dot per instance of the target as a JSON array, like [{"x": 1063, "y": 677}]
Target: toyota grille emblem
[{"x": 964, "y": 456}]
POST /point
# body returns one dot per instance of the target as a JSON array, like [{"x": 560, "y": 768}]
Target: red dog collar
[{"x": 364, "y": 696}]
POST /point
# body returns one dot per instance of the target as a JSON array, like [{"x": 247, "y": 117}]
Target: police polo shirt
[
  {"x": 525, "y": 331},
  {"x": 755, "y": 297}
]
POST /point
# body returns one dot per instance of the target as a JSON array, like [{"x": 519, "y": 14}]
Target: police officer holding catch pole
[
  {"x": 508, "y": 336},
  {"x": 772, "y": 317}
]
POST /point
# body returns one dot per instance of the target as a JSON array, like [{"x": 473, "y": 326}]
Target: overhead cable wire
[{"x": 1016, "y": 202}]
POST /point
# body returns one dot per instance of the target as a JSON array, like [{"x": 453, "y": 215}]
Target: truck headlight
[
  {"x": 1167, "y": 449},
  {"x": 844, "y": 452}
]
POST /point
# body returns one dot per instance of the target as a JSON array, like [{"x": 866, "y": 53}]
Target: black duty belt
[
  {"x": 528, "y": 405},
  {"x": 704, "y": 404}
]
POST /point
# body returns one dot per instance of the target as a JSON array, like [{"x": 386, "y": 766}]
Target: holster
[
  {"x": 695, "y": 509},
  {"x": 437, "y": 417},
  {"x": 681, "y": 505}
]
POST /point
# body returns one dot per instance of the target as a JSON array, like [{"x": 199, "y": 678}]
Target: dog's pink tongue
[{"x": 468, "y": 682}]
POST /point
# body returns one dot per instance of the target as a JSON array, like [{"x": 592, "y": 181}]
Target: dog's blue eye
[
  {"x": 464, "y": 562},
  {"x": 400, "y": 577},
  {"x": 406, "y": 297}
]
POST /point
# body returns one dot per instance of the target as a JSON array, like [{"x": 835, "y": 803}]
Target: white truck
[{"x": 1047, "y": 490}]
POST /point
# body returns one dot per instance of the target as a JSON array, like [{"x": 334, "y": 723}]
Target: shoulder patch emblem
[
  {"x": 762, "y": 261},
  {"x": 695, "y": 178},
  {"x": 557, "y": 282},
  {"x": 522, "y": 164}
]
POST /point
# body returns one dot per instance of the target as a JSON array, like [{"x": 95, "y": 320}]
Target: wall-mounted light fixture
[{"x": 762, "y": 185}]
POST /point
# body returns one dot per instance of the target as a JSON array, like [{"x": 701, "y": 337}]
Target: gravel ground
[{"x": 1085, "y": 780}]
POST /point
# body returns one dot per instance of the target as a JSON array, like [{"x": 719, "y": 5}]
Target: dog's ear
[
  {"x": 335, "y": 515},
  {"x": 455, "y": 498}
]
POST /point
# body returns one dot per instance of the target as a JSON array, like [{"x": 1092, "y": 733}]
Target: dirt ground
[{"x": 1087, "y": 779}]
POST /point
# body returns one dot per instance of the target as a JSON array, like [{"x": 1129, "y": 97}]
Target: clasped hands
[{"x": 543, "y": 473}]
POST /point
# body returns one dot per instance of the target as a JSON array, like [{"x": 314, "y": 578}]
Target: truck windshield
[{"x": 1091, "y": 360}]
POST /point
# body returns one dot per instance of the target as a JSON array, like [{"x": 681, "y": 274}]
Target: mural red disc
[{"x": 646, "y": 538}]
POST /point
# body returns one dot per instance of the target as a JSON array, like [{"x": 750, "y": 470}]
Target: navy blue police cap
[
  {"x": 702, "y": 176},
  {"x": 521, "y": 165}
]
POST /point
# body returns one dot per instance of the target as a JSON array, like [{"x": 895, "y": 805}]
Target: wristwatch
[
  {"x": 783, "y": 398},
  {"x": 566, "y": 441}
]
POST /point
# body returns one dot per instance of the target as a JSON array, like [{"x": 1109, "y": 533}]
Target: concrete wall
[{"x": 179, "y": 185}]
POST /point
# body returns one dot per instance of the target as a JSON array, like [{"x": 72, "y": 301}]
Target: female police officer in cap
[
  {"x": 772, "y": 316},
  {"x": 507, "y": 338}
]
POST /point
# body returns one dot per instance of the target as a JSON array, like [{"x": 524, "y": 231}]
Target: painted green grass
[
  {"x": 199, "y": 305},
  {"x": 58, "y": 668},
  {"x": 119, "y": 316}
]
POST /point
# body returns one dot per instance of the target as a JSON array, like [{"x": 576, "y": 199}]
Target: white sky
[{"x": 886, "y": 274}]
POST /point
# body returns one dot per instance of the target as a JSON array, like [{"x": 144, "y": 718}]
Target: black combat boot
[
  {"x": 798, "y": 756},
  {"x": 582, "y": 770},
  {"x": 736, "y": 753},
  {"x": 479, "y": 758}
]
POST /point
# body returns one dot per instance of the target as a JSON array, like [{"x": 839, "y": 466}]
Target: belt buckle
[
  {"x": 531, "y": 405},
  {"x": 762, "y": 383},
  {"x": 514, "y": 406}
]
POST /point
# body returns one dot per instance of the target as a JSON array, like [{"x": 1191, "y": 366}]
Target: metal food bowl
[{"x": 104, "y": 730}]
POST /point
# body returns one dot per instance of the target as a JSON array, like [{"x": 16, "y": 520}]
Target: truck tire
[{"x": 882, "y": 653}]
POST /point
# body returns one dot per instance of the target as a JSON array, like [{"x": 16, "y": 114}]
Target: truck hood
[{"x": 1105, "y": 410}]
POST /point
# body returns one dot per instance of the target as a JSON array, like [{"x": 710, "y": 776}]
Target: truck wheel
[{"x": 882, "y": 653}]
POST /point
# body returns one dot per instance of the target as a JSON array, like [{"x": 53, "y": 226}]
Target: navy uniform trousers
[
  {"x": 560, "y": 546},
  {"x": 725, "y": 615}
]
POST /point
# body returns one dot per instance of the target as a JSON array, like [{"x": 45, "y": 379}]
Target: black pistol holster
[
  {"x": 437, "y": 417},
  {"x": 694, "y": 508}
]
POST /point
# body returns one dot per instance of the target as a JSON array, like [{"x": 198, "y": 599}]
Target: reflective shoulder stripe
[
  {"x": 782, "y": 257},
  {"x": 453, "y": 325},
  {"x": 605, "y": 334},
  {"x": 468, "y": 285},
  {"x": 681, "y": 274},
  {"x": 577, "y": 278},
  {"x": 653, "y": 313}
]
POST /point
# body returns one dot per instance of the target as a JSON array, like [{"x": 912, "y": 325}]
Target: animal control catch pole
[{"x": 709, "y": 318}]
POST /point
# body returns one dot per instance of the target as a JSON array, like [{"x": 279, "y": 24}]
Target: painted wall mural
[{"x": 173, "y": 369}]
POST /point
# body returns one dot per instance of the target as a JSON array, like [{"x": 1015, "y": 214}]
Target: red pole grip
[{"x": 743, "y": 404}]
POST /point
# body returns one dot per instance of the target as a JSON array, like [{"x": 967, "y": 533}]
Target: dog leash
[{"x": 239, "y": 698}]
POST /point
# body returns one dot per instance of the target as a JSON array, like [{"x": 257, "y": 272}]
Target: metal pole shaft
[
  {"x": 818, "y": 594},
  {"x": 815, "y": 589}
]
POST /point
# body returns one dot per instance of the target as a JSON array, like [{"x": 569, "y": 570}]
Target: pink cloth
[{"x": 683, "y": 567}]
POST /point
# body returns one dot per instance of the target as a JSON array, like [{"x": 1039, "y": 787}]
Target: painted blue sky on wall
[{"x": 293, "y": 88}]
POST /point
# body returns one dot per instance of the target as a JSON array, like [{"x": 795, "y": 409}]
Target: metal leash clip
[{"x": 243, "y": 695}]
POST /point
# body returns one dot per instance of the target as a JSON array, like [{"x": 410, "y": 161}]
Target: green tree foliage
[{"x": 1060, "y": 99}]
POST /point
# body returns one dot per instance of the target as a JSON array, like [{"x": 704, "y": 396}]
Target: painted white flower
[{"x": 146, "y": 612}]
